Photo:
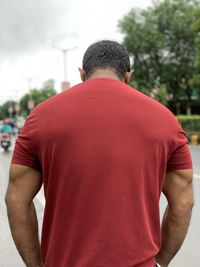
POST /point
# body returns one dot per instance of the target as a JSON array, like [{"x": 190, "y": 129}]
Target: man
[{"x": 103, "y": 170}]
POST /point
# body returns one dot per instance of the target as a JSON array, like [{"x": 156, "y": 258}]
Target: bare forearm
[
  {"x": 174, "y": 230},
  {"x": 24, "y": 228}
]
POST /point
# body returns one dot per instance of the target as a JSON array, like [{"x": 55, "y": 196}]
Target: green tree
[
  {"x": 4, "y": 109},
  {"x": 196, "y": 28},
  {"x": 38, "y": 95},
  {"x": 163, "y": 45}
]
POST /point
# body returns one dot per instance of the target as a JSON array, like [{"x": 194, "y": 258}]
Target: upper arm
[
  {"x": 25, "y": 173},
  {"x": 178, "y": 181},
  {"x": 178, "y": 188},
  {"x": 24, "y": 184}
]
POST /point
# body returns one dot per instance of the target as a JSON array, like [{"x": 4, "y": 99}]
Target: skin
[
  {"x": 24, "y": 184},
  {"x": 105, "y": 73},
  {"x": 179, "y": 194}
]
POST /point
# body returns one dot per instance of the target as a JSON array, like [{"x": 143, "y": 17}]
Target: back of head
[{"x": 106, "y": 55}]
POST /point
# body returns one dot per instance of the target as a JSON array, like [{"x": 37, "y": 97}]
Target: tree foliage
[
  {"x": 196, "y": 29},
  {"x": 163, "y": 43},
  {"x": 38, "y": 95},
  {"x": 4, "y": 109}
]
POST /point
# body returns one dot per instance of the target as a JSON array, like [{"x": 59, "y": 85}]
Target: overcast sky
[{"x": 29, "y": 29}]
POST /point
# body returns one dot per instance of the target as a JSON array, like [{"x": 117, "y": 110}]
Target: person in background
[
  {"x": 103, "y": 170},
  {"x": 6, "y": 127}
]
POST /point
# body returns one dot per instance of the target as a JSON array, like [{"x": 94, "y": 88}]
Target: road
[{"x": 189, "y": 255}]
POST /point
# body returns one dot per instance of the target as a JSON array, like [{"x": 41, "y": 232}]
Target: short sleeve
[
  {"x": 23, "y": 151},
  {"x": 180, "y": 158}
]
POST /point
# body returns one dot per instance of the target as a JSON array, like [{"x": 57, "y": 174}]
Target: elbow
[
  {"x": 9, "y": 199},
  {"x": 186, "y": 205},
  {"x": 190, "y": 204},
  {"x": 16, "y": 201},
  {"x": 182, "y": 207}
]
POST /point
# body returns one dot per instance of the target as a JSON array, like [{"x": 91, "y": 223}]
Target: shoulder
[
  {"x": 57, "y": 100},
  {"x": 151, "y": 104}
]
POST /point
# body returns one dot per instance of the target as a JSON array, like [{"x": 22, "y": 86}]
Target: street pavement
[{"x": 188, "y": 256}]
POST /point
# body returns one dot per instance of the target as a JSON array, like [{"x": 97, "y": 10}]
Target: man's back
[{"x": 102, "y": 148}]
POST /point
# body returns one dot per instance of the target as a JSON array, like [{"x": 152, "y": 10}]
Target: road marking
[{"x": 197, "y": 176}]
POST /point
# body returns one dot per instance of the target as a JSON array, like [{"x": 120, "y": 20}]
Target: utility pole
[
  {"x": 17, "y": 105},
  {"x": 65, "y": 51},
  {"x": 29, "y": 80},
  {"x": 31, "y": 103},
  {"x": 65, "y": 63}
]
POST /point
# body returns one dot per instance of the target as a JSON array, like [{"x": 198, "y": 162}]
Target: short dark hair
[{"x": 106, "y": 54}]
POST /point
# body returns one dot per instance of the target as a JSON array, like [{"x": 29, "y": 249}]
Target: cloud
[{"x": 28, "y": 25}]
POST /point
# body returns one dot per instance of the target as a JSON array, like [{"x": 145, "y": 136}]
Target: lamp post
[
  {"x": 65, "y": 83},
  {"x": 10, "y": 111},
  {"x": 17, "y": 107},
  {"x": 31, "y": 103}
]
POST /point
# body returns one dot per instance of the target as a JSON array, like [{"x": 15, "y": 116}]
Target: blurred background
[{"x": 41, "y": 47}]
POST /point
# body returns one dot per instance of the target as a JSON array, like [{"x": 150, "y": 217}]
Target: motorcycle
[{"x": 5, "y": 141}]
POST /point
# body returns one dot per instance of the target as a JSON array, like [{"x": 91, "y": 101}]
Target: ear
[
  {"x": 82, "y": 74},
  {"x": 128, "y": 76}
]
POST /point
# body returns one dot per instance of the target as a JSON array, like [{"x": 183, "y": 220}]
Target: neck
[{"x": 104, "y": 74}]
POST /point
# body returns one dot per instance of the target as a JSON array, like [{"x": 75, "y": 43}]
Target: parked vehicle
[{"x": 5, "y": 141}]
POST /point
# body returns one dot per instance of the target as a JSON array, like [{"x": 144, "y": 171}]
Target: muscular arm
[
  {"x": 24, "y": 183},
  {"x": 179, "y": 193}
]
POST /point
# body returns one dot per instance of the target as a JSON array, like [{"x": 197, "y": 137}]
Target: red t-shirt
[{"x": 103, "y": 149}]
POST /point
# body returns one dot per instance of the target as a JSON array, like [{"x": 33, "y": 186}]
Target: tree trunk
[
  {"x": 188, "y": 111},
  {"x": 177, "y": 108}
]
